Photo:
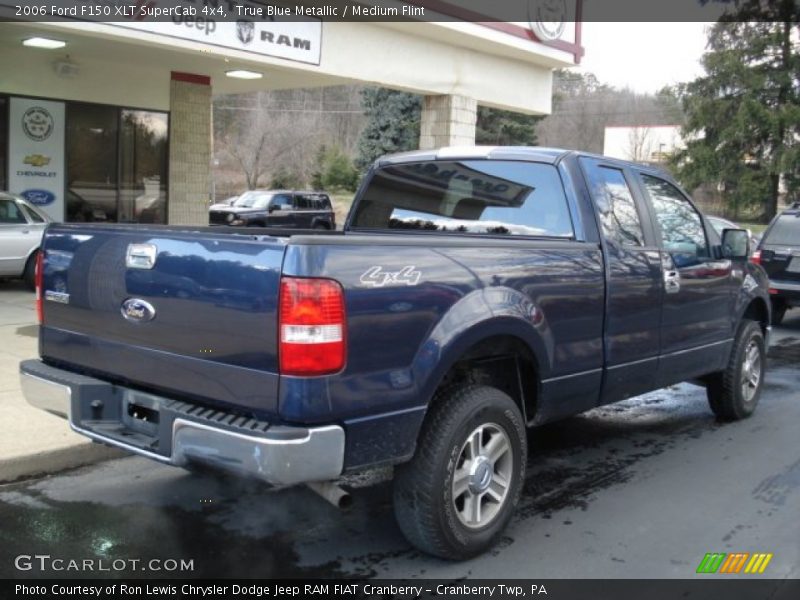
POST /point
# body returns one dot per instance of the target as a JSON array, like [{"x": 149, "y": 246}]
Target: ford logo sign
[
  {"x": 39, "y": 197},
  {"x": 138, "y": 311}
]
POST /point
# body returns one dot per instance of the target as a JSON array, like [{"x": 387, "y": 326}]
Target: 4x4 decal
[{"x": 377, "y": 277}]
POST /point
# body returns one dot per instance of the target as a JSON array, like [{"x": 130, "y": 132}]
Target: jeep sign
[{"x": 294, "y": 40}]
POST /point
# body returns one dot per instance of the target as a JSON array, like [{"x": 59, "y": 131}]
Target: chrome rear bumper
[{"x": 176, "y": 432}]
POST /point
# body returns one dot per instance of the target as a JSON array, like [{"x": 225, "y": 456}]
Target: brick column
[
  {"x": 448, "y": 121},
  {"x": 189, "y": 149}
]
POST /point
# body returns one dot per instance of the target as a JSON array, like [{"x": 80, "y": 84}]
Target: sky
[{"x": 643, "y": 56}]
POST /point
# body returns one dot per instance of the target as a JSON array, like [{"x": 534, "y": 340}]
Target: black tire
[
  {"x": 425, "y": 504},
  {"x": 29, "y": 274},
  {"x": 778, "y": 312},
  {"x": 321, "y": 226},
  {"x": 727, "y": 395}
]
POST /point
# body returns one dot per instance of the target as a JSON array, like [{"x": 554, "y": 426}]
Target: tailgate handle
[{"x": 141, "y": 256}]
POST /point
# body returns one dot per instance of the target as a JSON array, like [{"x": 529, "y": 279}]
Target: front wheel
[
  {"x": 734, "y": 393},
  {"x": 458, "y": 493}
]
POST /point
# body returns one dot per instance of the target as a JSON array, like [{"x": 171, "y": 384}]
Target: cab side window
[
  {"x": 681, "y": 226},
  {"x": 281, "y": 202},
  {"x": 618, "y": 214}
]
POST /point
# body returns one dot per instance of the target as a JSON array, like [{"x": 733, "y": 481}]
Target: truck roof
[
  {"x": 530, "y": 153},
  {"x": 533, "y": 153}
]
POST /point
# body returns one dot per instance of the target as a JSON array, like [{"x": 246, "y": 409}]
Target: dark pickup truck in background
[
  {"x": 276, "y": 208},
  {"x": 474, "y": 293}
]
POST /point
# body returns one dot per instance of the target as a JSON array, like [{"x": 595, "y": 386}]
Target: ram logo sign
[{"x": 734, "y": 563}]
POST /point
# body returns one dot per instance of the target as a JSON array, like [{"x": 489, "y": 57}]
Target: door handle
[
  {"x": 672, "y": 282},
  {"x": 26, "y": 231}
]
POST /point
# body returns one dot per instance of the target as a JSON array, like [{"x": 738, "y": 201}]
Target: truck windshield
[{"x": 487, "y": 197}]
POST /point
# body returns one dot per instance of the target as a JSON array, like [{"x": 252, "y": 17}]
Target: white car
[{"x": 21, "y": 229}]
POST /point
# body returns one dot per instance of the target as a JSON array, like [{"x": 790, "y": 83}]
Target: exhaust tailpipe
[{"x": 330, "y": 491}]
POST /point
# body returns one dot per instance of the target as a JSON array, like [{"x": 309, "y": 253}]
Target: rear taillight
[
  {"x": 755, "y": 257},
  {"x": 311, "y": 322},
  {"x": 38, "y": 279}
]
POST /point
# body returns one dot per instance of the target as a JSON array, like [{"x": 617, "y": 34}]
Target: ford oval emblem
[
  {"x": 138, "y": 311},
  {"x": 39, "y": 197}
]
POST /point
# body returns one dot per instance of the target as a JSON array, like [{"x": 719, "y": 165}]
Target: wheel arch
[
  {"x": 31, "y": 254},
  {"x": 506, "y": 352},
  {"x": 504, "y": 361},
  {"x": 757, "y": 309}
]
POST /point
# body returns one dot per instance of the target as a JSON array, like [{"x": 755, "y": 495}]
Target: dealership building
[{"x": 111, "y": 121}]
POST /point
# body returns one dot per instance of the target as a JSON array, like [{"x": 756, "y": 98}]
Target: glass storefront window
[
  {"x": 116, "y": 164},
  {"x": 143, "y": 166},
  {"x": 91, "y": 162}
]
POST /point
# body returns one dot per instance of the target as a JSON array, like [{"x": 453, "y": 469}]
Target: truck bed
[{"x": 215, "y": 290}]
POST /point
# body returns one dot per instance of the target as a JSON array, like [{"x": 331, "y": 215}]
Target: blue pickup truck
[{"x": 474, "y": 294}]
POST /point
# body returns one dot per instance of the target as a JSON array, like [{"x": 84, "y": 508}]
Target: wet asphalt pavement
[{"x": 643, "y": 488}]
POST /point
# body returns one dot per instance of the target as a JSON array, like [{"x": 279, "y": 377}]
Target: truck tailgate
[{"x": 199, "y": 323}]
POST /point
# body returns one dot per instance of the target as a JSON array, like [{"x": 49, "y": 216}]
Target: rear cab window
[{"x": 478, "y": 197}]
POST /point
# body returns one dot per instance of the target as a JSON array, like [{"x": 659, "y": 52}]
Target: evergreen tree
[
  {"x": 392, "y": 124},
  {"x": 338, "y": 172},
  {"x": 394, "y": 118},
  {"x": 319, "y": 167},
  {"x": 497, "y": 127},
  {"x": 743, "y": 116}
]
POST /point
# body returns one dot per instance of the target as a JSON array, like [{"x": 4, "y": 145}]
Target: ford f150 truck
[{"x": 474, "y": 294}]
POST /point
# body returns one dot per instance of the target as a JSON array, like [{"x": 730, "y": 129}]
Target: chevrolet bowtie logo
[
  {"x": 733, "y": 563},
  {"x": 37, "y": 160}
]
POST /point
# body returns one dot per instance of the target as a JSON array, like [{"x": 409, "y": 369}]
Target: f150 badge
[
  {"x": 377, "y": 277},
  {"x": 138, "y": 310}
]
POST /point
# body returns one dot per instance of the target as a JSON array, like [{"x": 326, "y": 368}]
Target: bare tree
[
  {"x": 640, "y": 144},
  {"x": 260, "y": 135},
  {"x": 583, "y": 107}
]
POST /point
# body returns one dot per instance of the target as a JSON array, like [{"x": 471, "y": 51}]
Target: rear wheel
[
  {"x": 458, "y": 493},
  {"x": 321, "y": 226},
  {"x": 734, "y": 393},
  {"x": 29, "y": 274}
]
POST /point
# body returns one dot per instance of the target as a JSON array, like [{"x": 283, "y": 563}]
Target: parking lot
[{"x": 643, "y": 488}]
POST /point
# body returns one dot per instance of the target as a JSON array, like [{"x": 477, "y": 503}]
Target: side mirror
[
  {"x": 271, "y": 208},
  {"x": 735, "y": 243}
]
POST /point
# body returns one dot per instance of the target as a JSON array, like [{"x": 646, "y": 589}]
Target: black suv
[
  {"x": 277, "y": 208},
  {"x": 779, "y": 254}
]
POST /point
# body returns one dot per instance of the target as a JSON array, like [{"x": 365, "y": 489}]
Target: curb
[{"x": 55, "y": 461}]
